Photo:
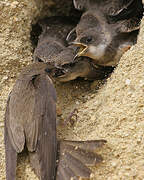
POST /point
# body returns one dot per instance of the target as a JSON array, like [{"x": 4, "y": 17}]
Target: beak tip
[
  {"x": 71, "y": 43},
  {"x": 81, "y": 52},
  {"x": 75, "y": 56}
]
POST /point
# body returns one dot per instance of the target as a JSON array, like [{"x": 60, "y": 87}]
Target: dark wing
[
  {"x": 21, "y": 107},
  {"x": 30, "y": 120},
  {"x": 19, "y": 112},
  {"x": 74, "y": 157},
  {"x": 129, "y": 9},
  {"x": 129, "y": 15},
  {"x": 47, "y": 49},
  {"x": 10, "y": 152},
  {"x": 43, "y": 159},
  {"x": 53, "y": 37}
]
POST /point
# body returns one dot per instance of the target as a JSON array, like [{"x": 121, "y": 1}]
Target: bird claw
[{"x": 70, "y": 119}]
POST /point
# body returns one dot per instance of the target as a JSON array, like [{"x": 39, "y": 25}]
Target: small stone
[
  {"x": 5, "y": 78},
  {"x": 114, "y": 163},
  {"x": 14, "y": 4},
  {"x": 141, "y": 83},
  {"x": 77, "y": 103},
  {"x": 127, "y": 168},
  {"x": 138, "y": 140},
  {"x": 128, "y": 81},
  {"x": 7, "y": 4},
  {"x": 91, "y": 175}
]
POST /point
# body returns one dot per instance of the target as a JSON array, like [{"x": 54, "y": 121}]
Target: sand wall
[{"x": 114, "y": 113}]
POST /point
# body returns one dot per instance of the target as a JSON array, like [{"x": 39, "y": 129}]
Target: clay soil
[{"x": 113, "y": 110}]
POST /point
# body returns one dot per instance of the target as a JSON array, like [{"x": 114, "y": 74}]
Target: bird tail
[
  {"x": 10, "y": 154},
  {"x": 74, "y": 157}
]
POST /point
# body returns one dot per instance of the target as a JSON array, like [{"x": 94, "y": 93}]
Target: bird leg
[{"x": 70, "y": 118}]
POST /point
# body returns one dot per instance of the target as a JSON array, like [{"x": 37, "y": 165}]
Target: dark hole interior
[
  {"x": 54, "y": 8},
  {"x": 58, "y": 8},
  {"x": 36, "y": 31}
]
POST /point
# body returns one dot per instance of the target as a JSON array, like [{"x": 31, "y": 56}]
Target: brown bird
[
  {"x": 104, "y": 34},
  {"x": 122, "y": 8},
  {"x": 83, "y": 67},
  {"x": 52, "y": 40},
  {"x": 52, "y": 48},
  {"x": 30, "y": 121}
]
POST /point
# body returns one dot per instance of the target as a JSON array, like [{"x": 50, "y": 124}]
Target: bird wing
[
  {"x": 47, "y": 49},
  {"x": 21, "y": 104},
  {"x": 128, "y": 16},
  {"x": 10, "y": 152},
  {"x": 75, "y": 157},
  {"x": 31, "y": 120},
  {"x": 43, "y": 159}
]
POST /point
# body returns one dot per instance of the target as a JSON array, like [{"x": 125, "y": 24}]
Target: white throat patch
[{"x": 97, "y": 51}]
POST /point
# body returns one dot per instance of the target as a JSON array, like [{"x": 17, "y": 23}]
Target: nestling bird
[
  {"x": 53, "y": 48},
  {"x": 52, "y": 41},
  {"x": 83, "y": 67},
  {"x": 122, "y": 8},
  {"x": 104, "y": 34},
  {"x": 30, "y": 121}
]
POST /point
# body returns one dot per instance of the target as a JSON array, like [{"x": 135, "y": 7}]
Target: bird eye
[
  {"x": 47, "y": 70},
  {"x": 89, "y": 39},
  {"x": 86, "y": 39},
  {"x": 39, "y": 60}
]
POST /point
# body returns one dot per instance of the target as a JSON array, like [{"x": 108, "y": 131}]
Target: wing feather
[
  {"x": 10, "y": 152},
  {"x": 45, "y": 115},
  {"x": 21, "y": 106},
  {"x": 75, "y": 157}
]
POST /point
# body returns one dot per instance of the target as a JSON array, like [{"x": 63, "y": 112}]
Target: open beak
[{"x": 82, "y": 48}]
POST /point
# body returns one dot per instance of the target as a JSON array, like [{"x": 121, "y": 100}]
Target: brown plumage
[
  {"x": 53, "y": 48},
  {"x": 52, "y": 39},
  {"x": 83, "y": 67},
  {"x": 30, "y": 121},
  {"x": 107, "y": 29},
  {"x": 74, "y": 158},
  {"x": 125, "y": 9}
]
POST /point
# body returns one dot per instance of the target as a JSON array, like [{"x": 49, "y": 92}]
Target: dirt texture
[{"x": 114, "y": 112}]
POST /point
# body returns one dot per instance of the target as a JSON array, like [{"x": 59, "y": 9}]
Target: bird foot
[{"x": 72, "y": 117}]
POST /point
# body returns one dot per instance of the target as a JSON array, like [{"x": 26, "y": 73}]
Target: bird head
[
  {"x": 103, "y": 37},
  {"x": 91, "y": 46},
  {"x": 93, "y": 35}
]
